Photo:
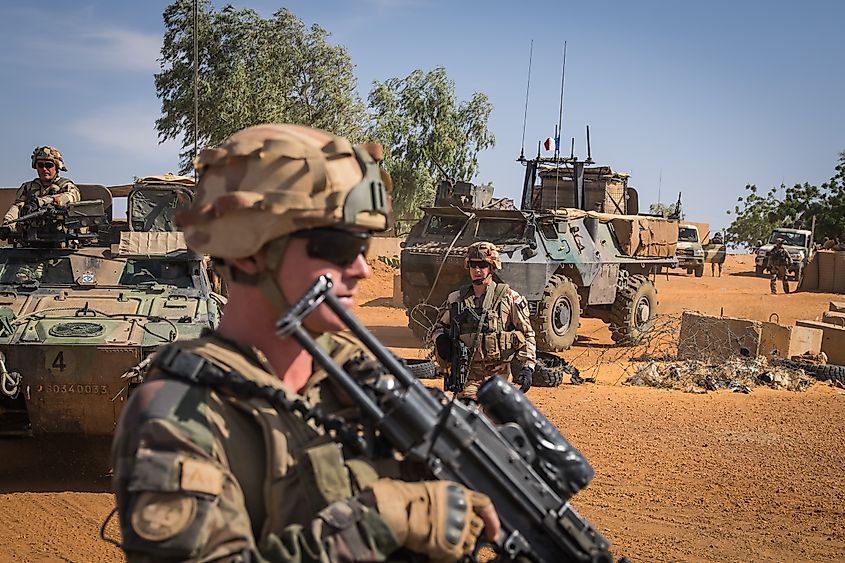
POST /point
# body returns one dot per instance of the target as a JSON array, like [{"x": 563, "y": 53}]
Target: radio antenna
[
  {"x": 525, "y": 114},
  {"x": 560, "y": 112}
]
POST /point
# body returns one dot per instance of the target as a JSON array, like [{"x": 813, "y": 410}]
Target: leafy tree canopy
[
  {"x": 757, "y": 215},
  {"x": 252, "y": 70},
  {"x": 427, "y": 133}
]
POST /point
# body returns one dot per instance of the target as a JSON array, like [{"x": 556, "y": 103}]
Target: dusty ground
[{"x": 679, "y": 477}]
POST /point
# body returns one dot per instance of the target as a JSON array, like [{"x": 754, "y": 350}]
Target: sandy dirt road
[{"x": 679, "y": 477}]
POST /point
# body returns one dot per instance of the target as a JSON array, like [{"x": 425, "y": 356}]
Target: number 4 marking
[{"x": 59, "y": 362}]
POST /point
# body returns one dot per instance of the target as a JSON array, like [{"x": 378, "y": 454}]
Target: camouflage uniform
[
  {"x": 779, "y": 262},
  {"x": 60, "y": 191},
  {"x": 246, "y": 471},
  {"x": 506, "y": 331},
  {"x": 204, "y": 475}
]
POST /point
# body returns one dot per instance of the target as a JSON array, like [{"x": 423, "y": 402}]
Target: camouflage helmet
[
  {"x": 485, "y": 252},
  {"x": 48, "y": 153},
  {"x": 271, "y": 180}
]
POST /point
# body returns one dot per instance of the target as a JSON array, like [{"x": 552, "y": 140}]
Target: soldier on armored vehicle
[{"x": 49, "y": 189}]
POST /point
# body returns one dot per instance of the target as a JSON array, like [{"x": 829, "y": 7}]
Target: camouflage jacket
[
  {"x": 62, "y": 187},
  {"x": 204, "y": 475},
  {"x": 779, "y": 257},
  {"x": 507, "y": 331}
]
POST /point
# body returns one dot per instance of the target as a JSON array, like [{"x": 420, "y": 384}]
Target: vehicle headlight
[{"x": 697, "y": 252}]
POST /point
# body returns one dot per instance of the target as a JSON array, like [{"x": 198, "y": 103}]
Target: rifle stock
[{"x": 518, "y": 459}]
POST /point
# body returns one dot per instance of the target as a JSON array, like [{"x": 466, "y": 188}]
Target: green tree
[
  {"x": 757, "y": 215},
  {"x": 424, "y": 129},
  {"x": 251, "y": 70}
]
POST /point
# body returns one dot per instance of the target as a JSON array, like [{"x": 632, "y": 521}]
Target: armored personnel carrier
[
  {"x": 85, "y": 302},
  {"x": 567, "y": 262}
]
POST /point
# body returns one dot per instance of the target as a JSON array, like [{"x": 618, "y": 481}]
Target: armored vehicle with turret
[
  {"x": 568, "y": 262},
  {"x": 87, "y": 298}
]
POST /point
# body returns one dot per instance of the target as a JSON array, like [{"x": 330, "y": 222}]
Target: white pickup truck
[{"x": 690, "y": 253}]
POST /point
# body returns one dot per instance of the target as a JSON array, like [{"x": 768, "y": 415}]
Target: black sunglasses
[
  {"x": 45, "y": 164},
  {"x": 478, "y": 264},
  {"x": 337, "y": 246}
]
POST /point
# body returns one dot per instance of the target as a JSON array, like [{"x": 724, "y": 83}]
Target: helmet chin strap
[{"x": 482, "y": 280}]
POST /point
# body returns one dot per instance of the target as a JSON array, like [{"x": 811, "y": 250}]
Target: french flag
[{"x": 551, "y": 144}]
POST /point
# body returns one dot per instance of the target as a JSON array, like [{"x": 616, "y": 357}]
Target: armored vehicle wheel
[
  {"x": 699, "y": 270},
  {"x": 558, "y": 315},
  {"x": 632, "y": 314},
  {"x": 759, "y": 270}
]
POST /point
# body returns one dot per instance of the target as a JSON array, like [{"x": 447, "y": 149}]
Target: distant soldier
[
  {"x": 779, "y": 262},
  {"x": 830, "y": 243},
  {"x": 719, "y": 258},
  {"x": 48, "y": 188},
  {"x": 494, "y": 324}
]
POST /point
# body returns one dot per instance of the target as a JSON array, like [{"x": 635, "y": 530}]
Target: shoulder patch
[
  {"x": 201, "y": 477},
  {"x": 161, "y": 516}
]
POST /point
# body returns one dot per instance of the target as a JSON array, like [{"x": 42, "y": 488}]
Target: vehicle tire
[
  {"x": 759, "y": 270},
  {"x": 822, "y": 372},
  {"x": 558, "y": 315},
  {"x": 699, "y": 270},
  {"x": 689, "y": 271},
  {"x": 632, "y": 314},
  {"x": 550, "y": 370},
  {"x": 422, "y": 369}
]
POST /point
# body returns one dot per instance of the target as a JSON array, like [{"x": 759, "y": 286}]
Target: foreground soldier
[
  {"x": 494, "y": 324},
  {"x": 48, "y": 188},
  {"x": 205, "y": 472},
  {"x": 779, "y": 262}
]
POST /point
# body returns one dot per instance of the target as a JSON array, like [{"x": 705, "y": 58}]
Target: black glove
[
  {"x": 443, "y": 345},
  {"x": 526, "y": 374},
  {"x": 5, "y": 233}
]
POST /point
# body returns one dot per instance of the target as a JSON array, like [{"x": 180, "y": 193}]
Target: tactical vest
[
  {"x": 35, "y": 187},
  {"x": 304, "y": 469},
  {"x": 481, "y": 327}
]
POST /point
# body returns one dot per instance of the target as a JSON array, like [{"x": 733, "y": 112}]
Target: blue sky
[{"x": 697, "y": 97}]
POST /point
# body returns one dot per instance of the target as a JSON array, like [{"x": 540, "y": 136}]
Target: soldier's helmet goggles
[{"x": 338, "y": 246}]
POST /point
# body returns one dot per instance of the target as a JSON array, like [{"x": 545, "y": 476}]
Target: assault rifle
[
  {"x": 456, "y": 379},
  {"x": 516, "y": 456},
  {"x": 48, "y": 209}
]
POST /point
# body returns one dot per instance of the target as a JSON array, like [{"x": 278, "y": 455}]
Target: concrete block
[
  {"x": 788, "y": 341},
  {"x": 833, "y": 340},
  {"x": 834, "y": 318},
  {"x": 715, "y": 339},
  {"x": 385, "y": 246},
  {"x": 837, "y": 306}
]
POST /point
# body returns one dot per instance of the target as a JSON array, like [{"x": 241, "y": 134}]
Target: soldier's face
[
  {"x": 478, "y": 270},
  {"x": 299, "y": 271},
  {"x": 47, "y": 170}
]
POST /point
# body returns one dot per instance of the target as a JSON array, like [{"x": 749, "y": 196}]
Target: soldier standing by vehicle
[
  {"x": 224, "y": 452},
  {"x": 719, "y": 259},
  {"x": 494, "y": 324},
  {"x": 779, "y": 262},
  {"x": 49, "y": 188}
]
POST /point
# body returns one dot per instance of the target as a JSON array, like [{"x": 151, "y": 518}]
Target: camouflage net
[{"x": 721, "y": 361}]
